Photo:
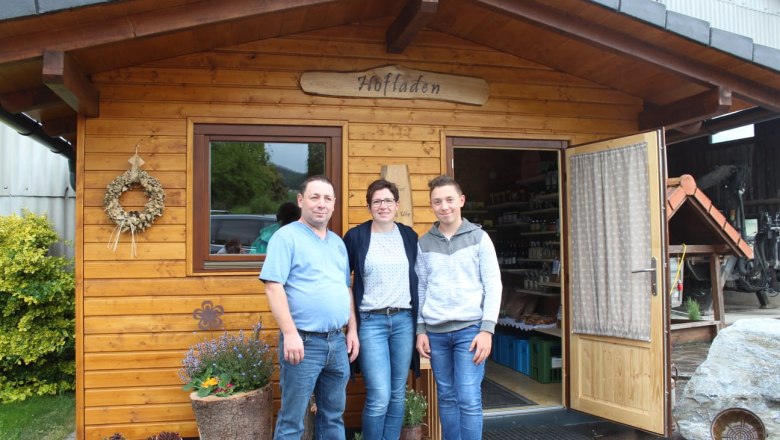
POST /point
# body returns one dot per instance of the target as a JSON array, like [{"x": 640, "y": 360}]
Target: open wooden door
[{"x": 618, "y": 363}]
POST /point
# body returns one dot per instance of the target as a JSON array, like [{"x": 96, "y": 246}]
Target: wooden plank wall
[{"x": 137, "y": 312}]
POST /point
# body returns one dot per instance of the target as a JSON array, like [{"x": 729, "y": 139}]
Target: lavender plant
[
  {"x": 227, "y": 365},
  {"x": 165, "y": 435}
]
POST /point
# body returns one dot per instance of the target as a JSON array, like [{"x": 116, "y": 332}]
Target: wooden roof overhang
[
  {"x": 46, "y": 60},
  {"x": 697, "y": 223}
]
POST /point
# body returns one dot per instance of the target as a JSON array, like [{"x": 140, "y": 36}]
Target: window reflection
[{"x": 253, "y": 187}]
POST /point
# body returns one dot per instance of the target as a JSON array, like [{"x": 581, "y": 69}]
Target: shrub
[
  {"x": 36, "y": 311},
  {"x": 227, "y": 365},
  {"x": 415, "y": 408}
]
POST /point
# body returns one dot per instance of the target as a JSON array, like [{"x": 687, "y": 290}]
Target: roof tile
[
  {"x": 17, "y": 8},
  {"x": 687, "y": 26},
  {"x": 767, "y": 56},
  {"x": 647, "y": 10},
  {"x": 55, "y": 5},
  {"x": 732, "y": 43}
]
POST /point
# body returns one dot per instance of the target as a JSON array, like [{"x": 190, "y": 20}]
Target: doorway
[{"x": 512, "y": 191}]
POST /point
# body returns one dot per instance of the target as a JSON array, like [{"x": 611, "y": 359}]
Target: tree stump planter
[
  {"x": 244, "y": 416},
  {"x": 411, "y": 433}
]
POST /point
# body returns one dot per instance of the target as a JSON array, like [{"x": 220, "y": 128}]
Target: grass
[
  {"x": 694, "y": 314},
  {"x": 38, "y": 418}
]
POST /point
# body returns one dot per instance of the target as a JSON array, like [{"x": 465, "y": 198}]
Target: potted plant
[
  {"x": 415, "y": 410},
  {"x": 230, "y": 382}
]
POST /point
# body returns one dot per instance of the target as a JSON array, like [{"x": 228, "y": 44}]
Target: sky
[{"x": 289, "y": 155}]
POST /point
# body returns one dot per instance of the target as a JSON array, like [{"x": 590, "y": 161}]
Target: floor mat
[
  {"x": 499, "y": 396},
  {"x": 534, "y": 433}
]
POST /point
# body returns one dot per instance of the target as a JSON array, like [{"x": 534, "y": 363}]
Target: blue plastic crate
[
  {"x": 496, "y": 347},
  {"x": 505, "y": 351},
  {"x": 501, "y": 347},
  {"x": 522, "y": 356}
]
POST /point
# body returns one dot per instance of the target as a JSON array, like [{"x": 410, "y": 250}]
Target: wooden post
[
  {"x": 716, "y": 290},
  {"x": 427, "y": 385}
]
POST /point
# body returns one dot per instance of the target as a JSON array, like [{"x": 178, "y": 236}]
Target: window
[
  {"x": 733, "y": 134},
  {"x": 246, "y": 181}
]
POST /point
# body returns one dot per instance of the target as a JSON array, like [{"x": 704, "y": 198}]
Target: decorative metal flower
[{"x": 209, "y": 316}]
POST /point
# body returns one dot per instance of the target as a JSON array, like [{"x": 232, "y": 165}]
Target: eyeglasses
[{"x": 379, "y": 202}]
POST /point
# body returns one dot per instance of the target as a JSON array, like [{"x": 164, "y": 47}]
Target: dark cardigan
[{"x": 357, "y": 240}]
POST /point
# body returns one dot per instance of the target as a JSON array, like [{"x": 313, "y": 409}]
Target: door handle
[{"x": 652, "y": 269}]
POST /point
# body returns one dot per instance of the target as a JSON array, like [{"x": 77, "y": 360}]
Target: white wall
[
  {"x": 757, "y": 19},
  {"x": 32, "y": 177}
]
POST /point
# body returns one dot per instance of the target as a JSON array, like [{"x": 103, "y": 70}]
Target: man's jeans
[
  {"x": 385, "y": 354},
  {"x": 458, "y": 382},
  {"x": 323, "y": 371}
]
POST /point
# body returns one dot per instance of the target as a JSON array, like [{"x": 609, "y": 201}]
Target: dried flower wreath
[{"x": 133, "y": 220}]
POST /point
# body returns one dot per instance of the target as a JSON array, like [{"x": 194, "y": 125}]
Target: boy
[{"x": 460, "y": 296}]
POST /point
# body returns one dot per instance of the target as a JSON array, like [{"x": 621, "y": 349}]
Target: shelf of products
[
  {"x": 538, "y": 292},
  {"x": 522, "y": 325},
  {"x": 512, "y": 225},
  {"x": 548, "y": 196},
  {"x": 550, "y": 330},
  {"x": 538, "y": 233},
  {"x": 507, "y": 205},
  {"x": 516, "y": 271},
  {"x": 540, "y": 211},
  {"x": 524, "y": 225}
]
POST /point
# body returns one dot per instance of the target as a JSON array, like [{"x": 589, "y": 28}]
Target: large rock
[{"x": 742, "y": 370}]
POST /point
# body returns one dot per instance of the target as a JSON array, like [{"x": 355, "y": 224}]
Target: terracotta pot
[
  {"x": 244, "y": 416},
  {"x": 411, "y": 433}
]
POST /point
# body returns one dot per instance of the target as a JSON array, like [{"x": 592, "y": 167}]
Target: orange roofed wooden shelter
[
  {"x": 99, "y": 79},
  {"x": 697, "y": 227}
]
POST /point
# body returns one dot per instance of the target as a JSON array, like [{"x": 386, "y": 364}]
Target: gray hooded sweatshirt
[{"x": 459, "y": 280}]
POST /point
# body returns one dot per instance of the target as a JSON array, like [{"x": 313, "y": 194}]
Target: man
[
  {"x": 307, "y": 281},
  {"x": 460, "y": 296},
  {"x": 287, "y": 213}
]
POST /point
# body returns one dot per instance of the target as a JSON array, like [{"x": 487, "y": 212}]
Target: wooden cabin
[
  {"x": 698, "y": 230},
  {"x": 494, "y": 92}
]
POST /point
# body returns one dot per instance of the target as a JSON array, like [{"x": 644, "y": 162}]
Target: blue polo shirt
[{"x": 315, "y": 276}]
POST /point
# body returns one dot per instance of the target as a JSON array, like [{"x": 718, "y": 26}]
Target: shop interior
[{"x": 513, "y": 193}]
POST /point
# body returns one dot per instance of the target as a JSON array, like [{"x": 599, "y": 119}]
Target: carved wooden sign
[
  {"x": 399, "y": 174},
  {"x": 397, "y": 82}
]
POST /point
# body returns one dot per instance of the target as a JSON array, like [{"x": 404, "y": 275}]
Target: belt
[
  {"x": 319, "y": 334},
  {"x": 387, "y": 311}
]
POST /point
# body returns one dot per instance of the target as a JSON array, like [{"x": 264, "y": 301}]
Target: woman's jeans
[
  {"x": 458, "y": 383},
  {"x": 324, "y": 371},
  {"x": 386, "y": 343}
]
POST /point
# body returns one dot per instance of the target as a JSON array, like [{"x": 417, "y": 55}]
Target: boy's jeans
[{"x": 458, "y": 382}]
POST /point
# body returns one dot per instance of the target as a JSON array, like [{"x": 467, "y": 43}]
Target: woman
[{"x": 381, "y": 256}]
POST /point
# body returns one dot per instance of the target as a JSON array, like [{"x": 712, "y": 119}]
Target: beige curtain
[{"x": 610, "y": 237}]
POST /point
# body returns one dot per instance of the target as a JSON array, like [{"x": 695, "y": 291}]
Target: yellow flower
[{"x": 209, "y": 382}]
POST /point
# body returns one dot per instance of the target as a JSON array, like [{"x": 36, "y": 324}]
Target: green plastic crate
[{"x": 542, "y": 352}]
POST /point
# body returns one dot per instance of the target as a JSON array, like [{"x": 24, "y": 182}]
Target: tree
[
  {"x": 243, "y": 180},
  {"x": 316, "y": 160}
]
